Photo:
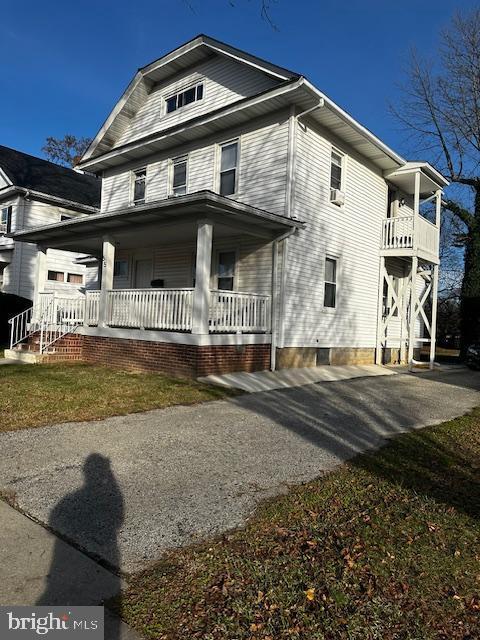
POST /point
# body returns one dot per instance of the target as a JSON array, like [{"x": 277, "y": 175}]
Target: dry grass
[
  {"x": 38, "y": 395},
  {"x": 386, "y": 548}
]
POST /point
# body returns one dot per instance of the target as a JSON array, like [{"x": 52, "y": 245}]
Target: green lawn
[
  {"x": 37, "y": 395},
  {"x": 385, "y": 548}
]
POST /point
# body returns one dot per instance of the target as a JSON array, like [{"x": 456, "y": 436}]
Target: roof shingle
[{"x": 37, "y": 174}]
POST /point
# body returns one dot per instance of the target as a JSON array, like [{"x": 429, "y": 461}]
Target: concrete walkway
[
  {"x": 36, "y": 567},
  {"x": 289, "y": 378},
  {"x": 129, "y": 487}
]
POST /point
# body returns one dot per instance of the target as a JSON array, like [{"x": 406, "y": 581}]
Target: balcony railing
[{"x": 409, "y": 232}]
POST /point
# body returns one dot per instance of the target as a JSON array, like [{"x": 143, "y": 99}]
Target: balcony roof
[
  {"x": 404, "y": 177},
  {"x": 160, "y": 222}
]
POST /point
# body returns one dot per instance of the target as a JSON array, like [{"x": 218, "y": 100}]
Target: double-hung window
[
  {"x": 5, "y": 219},
  {"x": 330, "y": 293},
  {"x": 139, "y": 186},
  {"x": 226, "y": 270},
  {"x": 179, "y": 176},
  {"x": 336, "y": 175},
  {"x": 228, "y": 168},
  {"x": 181, "y": 99}
]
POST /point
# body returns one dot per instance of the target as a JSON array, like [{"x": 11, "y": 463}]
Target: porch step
[{"x": 21, "y": 355}]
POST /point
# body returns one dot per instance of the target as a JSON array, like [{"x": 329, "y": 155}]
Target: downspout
[
  {"x": 289, "y": 207},
  {"x": 275, "y": 302}
]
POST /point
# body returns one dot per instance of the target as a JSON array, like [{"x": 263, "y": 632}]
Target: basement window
[
  {"x": 330, "y": 293},
  {"x": 183, "y": 98}
]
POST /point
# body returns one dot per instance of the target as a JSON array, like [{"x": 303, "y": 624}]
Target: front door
[{"x": 143, "y": 274}]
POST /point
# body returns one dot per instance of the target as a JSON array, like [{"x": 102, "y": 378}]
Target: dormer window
[
  {"x": 181, "y": 99},
  {"x": 139, "y": 182}
]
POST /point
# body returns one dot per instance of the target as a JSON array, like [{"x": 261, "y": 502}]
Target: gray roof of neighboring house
[{"x": 29, "y": 172}]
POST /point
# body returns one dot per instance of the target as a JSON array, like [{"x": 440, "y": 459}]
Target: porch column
[
  {"x": 108, "y": 258},
  {"x": 40, "y": 274},
  {"x": 413, "y": 308},
  {"x": 433, "y": 320},
  {"x": 416, "y": 207},
  {"x": 380, "y": 327},
  {"x": 201, "y": 295}
]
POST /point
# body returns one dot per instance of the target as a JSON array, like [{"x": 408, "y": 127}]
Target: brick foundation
[
  {"x": 174, "y": 359},
  {"x": 291, "y": 357}
]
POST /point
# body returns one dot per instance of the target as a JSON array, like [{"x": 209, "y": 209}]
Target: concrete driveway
[{"x": 126, "y": 488}]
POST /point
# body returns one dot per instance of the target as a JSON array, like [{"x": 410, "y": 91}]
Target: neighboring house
[
  {"x": 34, "y": 192},
  {"x": 248, "y": 222}
]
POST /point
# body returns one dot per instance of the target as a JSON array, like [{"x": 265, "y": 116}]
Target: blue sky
[{"x": 64, "y": 64}]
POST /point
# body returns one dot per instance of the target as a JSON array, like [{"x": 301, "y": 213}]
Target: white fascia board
[
  {"x": 275, "y": 92},
  {"x": 5, "y": 177},
  {"x": 38, "y": 195},
  {"x": 113, "y": 114},
  {"x": 350, "y": 120}
]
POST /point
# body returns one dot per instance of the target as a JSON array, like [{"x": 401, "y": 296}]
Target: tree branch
[{"x": 459, "y": 211}]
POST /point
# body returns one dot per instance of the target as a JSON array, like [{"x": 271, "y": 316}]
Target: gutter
[{"x": 68, "y": 204}]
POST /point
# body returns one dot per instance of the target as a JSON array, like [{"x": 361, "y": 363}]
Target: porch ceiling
[{"x": 160, "y": 222}]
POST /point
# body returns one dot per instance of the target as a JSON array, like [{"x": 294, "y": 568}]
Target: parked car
[{"x": 473, "y": 356}]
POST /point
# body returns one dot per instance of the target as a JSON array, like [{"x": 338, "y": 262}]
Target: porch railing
[
  {"x": 402, "y": 232},
  {"x": 236, "y": 311},
  {"x": 167, "y": 309},
  {"x": 172, "y": 310}
]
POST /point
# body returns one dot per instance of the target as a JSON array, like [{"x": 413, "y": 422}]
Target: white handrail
[{"x": 409, "y": 232}]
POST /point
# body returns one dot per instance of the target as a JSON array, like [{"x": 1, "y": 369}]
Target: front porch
[{"x": 170, "y": 276}]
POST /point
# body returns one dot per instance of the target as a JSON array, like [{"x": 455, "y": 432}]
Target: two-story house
[
  {"x": 247, "y": 222},
  {"x": 35, "y": 192}
]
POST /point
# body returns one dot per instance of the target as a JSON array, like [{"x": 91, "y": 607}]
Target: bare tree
[
  {"x": 66, "y": 151},
  {"x": 265, "y": 9},
  {"x": 441, "y": 107}
]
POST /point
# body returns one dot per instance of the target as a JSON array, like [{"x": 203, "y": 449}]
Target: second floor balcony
[{"x": 408, "y": 235}]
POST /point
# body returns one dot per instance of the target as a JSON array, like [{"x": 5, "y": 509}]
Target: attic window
[{"x": 179, "y": 100}]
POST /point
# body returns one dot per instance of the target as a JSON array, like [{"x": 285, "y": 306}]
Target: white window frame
[
  {"x": 175, "y": 94},
  {"x": 186, "y": 158},
  {"x": 330, "y": 256},
  {"x": 216, "y": 276},
  {"x": 133, "y": 174},
  {"x": 218, "y": 163},
  {"x": 343, "y": 168},
  {"x": 64, "y": 281},
  {"x": 4, "y": 225},
  {"x": 75, "y": 284}
]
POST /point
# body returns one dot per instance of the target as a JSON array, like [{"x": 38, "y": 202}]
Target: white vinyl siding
[
  {"x": 224, "y": 82},
  {"x": 353, "y": 237},
  {"x": 262, "y": 168},
  {"x": 19, "y": 275}
]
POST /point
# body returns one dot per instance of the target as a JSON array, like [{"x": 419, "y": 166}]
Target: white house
[
  {"x": 247, "y": 222},
  {"x": 35, "y": 192}
]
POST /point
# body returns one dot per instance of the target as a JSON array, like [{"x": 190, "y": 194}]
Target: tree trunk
[{"x": 470, "y": 296}]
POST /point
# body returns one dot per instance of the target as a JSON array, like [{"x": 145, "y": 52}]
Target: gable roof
[
  {"x": 28, "y": 172},
  {"x": 192, "y": 52}
]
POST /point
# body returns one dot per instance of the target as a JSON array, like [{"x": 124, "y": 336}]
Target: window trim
[
  {"x": 172, "y": 161},
  {"x": 133, "y": 173},
  {"x": 190, "y": 85},
  {"x": 343, "y": 155},
  {"x": 330, "y": 256},
  {"x": 78, "y": 284},
  {"x": 49, "y": 271},
  {"x": 8, "y": 221},
  {"x": 218, "y": 163},
  {"x": 216, "y": 276}
]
